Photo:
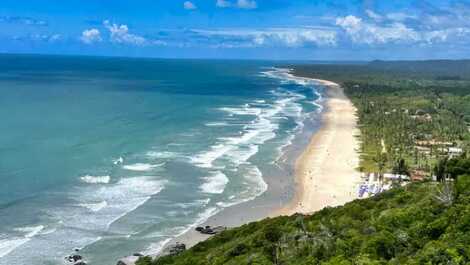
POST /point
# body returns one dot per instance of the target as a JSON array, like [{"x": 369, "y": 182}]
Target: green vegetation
[
  {"x": 413, "y": 116},
  {"x": 418, "y": 111},
  {"x": 422, "y": 223}
]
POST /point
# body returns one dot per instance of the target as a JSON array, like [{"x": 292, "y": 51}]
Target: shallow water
[{"x": 116, "y": 155}]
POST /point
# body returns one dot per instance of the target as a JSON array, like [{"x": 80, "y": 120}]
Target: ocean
[{"x": 119, "y": 155}]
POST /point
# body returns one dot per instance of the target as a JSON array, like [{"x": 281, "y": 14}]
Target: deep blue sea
[{"x": 115, "y": 155}]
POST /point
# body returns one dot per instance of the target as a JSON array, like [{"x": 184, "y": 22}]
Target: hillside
[{"x": 410, "y": 225}]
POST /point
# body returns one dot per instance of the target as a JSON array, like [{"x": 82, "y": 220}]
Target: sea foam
[
  {"x": 94, "y": 207},
  {"x": 142, "y": 167},
  {"x": 215, "y": 183},
  {"x": 96, "y": 179},
  {"x": 7, "y": 245},
  {"x": 163, "y": 154},
  {"x": 100, "y": 206}
]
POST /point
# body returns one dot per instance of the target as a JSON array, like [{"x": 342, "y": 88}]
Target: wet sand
[{"x": 326, "y": 172}]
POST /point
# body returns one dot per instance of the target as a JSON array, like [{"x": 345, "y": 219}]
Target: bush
[
  {"x": 401, "y": 226},
  {"x": 463, "y": 185},
  {"x": 272, "y": 233},
  {"x": 144, "y": 261},
  {"x": 238, "y": 250},
  {"x": 381, "y": 245}
]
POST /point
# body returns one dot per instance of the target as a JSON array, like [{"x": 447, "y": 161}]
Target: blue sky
[{"x": 245, "y": 29}]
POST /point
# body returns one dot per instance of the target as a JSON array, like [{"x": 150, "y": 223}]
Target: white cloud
[
  {"x": 243, "y": 4},
  {"x": 90, "y": 36},
  {"x": 399, "y": 16},
  {"x": 55, "y": 37},
  {"x": 247, "y": 4},
  {"x": 351, "y": 23},
  {"x": 361, "y": 32},
  {"x": 189, "y": 5},
  {"x": 23, "y": 20},
  {"x": 373, "y": 15},
  {"x": 366, "y": 33},
  {"x": 120, "y": 34},
  {"x": 42, "y": 37},
  {"x": 391, "y": 17},
  {"x": 281, "y": 37},
  {"x": 453, "y": 35},
  {"x": 223, "y": 3}
]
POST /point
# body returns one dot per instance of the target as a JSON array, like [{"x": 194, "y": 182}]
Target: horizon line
[{"x": 229, "y": 58}]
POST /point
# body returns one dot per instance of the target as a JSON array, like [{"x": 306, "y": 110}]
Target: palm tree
[
  {"x": 380, "y": 161},
  {"x": 440, "y": 169}
]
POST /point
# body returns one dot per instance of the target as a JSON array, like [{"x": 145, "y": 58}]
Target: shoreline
[
  {"x": 307, "y": 163},
  {"x": 326, "y": 174}
]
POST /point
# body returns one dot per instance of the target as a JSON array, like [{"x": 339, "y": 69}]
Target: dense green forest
[
  {"x": 419, "y": 112},
  {"x": 421, "y": 223}
]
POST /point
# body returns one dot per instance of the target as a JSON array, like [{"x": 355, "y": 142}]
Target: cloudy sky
[{"x": 246, "y": 29}]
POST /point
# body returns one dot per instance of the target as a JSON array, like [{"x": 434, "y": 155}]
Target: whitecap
[
  {"x": 216, "y": 124},
  {"x": 240, "y": 148},
  {"x": 156, "y": 248},
  {"x": 101, "y": 206},
  {"x": 245, "y": 110},
  {"x": 256, "y": 177},
  {"x": 203, "y": 216},
  {"x": 142, "y": 167},
  {"x": 194, "y": 204},
  {"x": 206, "y": 159},
  {"x": 118, "y": 161},
  {"x": 96, "y": 179},
  {"x": 130, "y": 193},
  {"x": 94, "y": 207},
  {"x": 7, "y": 245},
  {"x": 215, "y": 183},
  {"x": 255, "y": 187},
  {"x": 163, "y": 154},
  {"x": 30, "y": 230},
  {"x": 286, "y": 76}
]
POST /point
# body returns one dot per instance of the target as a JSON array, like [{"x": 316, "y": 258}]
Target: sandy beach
[{"x": 326, "y": 172}]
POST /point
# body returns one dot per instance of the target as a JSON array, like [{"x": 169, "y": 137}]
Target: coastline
[
  {"x": 326, "y": 174},
  {"x": 333, "y": 180}
]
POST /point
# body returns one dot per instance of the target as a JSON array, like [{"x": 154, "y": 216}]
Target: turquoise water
[{"x": 115, "y": 155}]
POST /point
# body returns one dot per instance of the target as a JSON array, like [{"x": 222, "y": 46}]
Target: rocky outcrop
[{"x": 208, "y": 230}]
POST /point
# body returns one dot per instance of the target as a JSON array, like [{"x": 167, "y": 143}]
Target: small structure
[
  {"x": 418, "y": 175},
  {"x": 423, "y": 150},
  {"x": 454, "y": 151},
  {"x": 394, "y": 177},
  {"x": 434, "y": 143},
  {"x": 373, "y": 185}
]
